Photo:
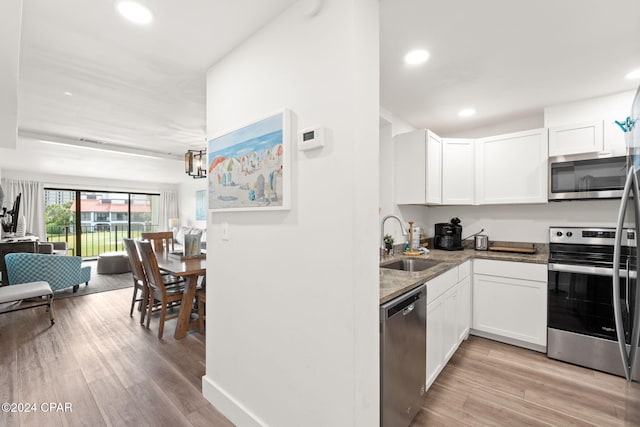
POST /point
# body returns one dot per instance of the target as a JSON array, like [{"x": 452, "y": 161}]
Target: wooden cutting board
[{"x": 513, "y": 249}]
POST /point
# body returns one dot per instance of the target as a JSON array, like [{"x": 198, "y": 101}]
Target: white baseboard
[
  {"x": 512, "y": 341},
  {"x": 230, "y": 407}
]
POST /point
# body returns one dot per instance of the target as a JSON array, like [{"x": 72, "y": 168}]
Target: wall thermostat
[{"x": 311, "y": 138}]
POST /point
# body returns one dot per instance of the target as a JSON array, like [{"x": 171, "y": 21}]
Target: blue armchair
[{"x": 60, "y": 272}]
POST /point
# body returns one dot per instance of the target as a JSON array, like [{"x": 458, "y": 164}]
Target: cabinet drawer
[
  {"x": 518, "y": 270},
  {"x": 439, "y": 285},
  {"x": 464, "y": 270}
]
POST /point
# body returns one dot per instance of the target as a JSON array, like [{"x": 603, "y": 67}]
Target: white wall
[
  {"x": 517, "y": 223},
  {"x": 390, "y": 126},
  {"x": 188, "y": 190},
  {"x": 533, "y": 121},
  {"x": 616, "y": 106},
  {"x": 87, "y": 183},
  {"x": 34, "y": 156},
  {"x": 11, "y": 22},
  {"x": 292, "y": 322}
]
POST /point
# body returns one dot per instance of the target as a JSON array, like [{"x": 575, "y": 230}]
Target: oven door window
[
  {"x": 582, "y": 176},
  {"x": 582, "y": 303}
]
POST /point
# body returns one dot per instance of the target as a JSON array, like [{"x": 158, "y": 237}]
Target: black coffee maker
[{"x": 449, "y": 235}]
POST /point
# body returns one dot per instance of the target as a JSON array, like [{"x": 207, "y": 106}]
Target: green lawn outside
[{"x": 94, "y": 243}]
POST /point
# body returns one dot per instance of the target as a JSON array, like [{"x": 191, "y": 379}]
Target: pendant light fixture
[{"x": 195, "y": 163}]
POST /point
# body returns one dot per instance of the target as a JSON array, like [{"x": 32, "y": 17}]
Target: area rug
[{"x": 98, "y": 283}]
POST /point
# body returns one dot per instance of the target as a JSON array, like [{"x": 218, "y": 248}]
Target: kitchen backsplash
[{"x": 516, "y": 223}]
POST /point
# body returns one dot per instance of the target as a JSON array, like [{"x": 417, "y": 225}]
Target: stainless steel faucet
[{"x": 404, "y": 230}]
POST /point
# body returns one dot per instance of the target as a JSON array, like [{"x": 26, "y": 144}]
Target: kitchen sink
[{"x": 411, "y": 264}]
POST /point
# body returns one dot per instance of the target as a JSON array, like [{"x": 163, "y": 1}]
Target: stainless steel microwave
[{"x": 586, "y": 176}]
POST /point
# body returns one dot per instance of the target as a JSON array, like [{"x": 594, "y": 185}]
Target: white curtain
[
  {"x": 31, "y": 205},
  {"x": 168, "y": 209}
]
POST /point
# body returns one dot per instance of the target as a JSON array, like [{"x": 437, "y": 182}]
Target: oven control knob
[
  {"x": 569, "y": 234},
  {"x": 559, "y": 234}
]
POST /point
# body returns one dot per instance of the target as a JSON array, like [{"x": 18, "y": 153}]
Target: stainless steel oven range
[{"x": 580, "y": 304}]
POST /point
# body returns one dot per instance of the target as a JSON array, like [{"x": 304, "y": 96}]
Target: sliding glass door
[
  {"x": 60, "y": 218},
  {"x": 96, "y": 222}
]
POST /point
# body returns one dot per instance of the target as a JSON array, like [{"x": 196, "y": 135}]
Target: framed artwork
[
  {"x": 249, "y": 168},
  {"x": 201, "y": 205}
]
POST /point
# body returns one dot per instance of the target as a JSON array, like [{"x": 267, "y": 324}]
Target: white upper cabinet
[
  {"x": 614, "y": 143},
  {"x": 418, "y": 168},
  {"x": 512, "y": 168},
  {"x": 458, "y": 171},
  {"x": 575, "y": 139}
]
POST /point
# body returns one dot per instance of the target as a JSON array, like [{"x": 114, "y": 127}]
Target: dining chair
[
  {"x": 166, "y": 296},
  {"x": 201, "y": 295},
  {"x": 161, "y": 240},
  {"x": 201, "y": 302},
  {"x": 140, "y": 279}
]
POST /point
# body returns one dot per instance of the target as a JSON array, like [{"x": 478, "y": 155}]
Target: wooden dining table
[{"x": 190, "y": 269}]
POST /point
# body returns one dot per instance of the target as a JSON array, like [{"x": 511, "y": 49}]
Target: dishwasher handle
[
  {"x": 404, "y": 304},
  {"x": 409, "y": 309}
]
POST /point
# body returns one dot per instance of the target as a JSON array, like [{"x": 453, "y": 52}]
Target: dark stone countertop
[{"x": 394, "y": 283}]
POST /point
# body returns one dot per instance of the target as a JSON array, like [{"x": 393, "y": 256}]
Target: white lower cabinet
[
  {"x": 463, "y": 308},
  {"x": 510, "y": 301},
  {"x": 435, "y": 353},
  {"x": 449, "y": 323},
  {"x": 448, "y": 317}
]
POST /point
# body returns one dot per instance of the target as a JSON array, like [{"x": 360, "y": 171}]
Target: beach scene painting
[{"x": 248, "y": 168}]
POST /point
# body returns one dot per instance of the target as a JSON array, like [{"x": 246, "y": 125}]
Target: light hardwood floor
[
  {"x": 492, "y": 384},
  {"x": 114, "y": 372}
]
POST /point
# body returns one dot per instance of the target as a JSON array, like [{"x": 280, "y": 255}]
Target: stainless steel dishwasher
[{"x": 403, "y": 352}]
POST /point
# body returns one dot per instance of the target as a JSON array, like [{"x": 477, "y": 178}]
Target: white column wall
[
  {"x": 292, "y": 326},
  {"x": 188, "y": 188},
  {"x": 11, "y": 22}
]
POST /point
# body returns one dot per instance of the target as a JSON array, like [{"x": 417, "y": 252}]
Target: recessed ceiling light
[
  {"x": 67, "y": 93},
  {"x": 635, "y": 74},
  {"x": 467, "y": 112},
  {"x": 416, "y": 57},
  {"x": 135, "y": 12}
]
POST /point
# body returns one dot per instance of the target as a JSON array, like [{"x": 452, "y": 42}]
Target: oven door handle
[{"x": 584, "y": 269}]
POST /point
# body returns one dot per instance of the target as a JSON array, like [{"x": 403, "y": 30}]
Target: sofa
[
  {"x": 60, "y": 271},
  {"x": 179, "y": 237}
]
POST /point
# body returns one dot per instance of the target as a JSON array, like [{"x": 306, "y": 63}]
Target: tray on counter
[{"x": 513, "y": 249}]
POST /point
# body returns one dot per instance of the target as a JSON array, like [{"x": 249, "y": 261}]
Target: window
[{"x": 106, "y": 218}]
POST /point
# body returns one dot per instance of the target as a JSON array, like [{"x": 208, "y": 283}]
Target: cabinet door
[
  {"x": 458, "y": 171},
  {"x": 512, "y": 168},
  {"x": 435, "y": 352},
  {"x": 463, "y": 308},
  {"x": 575, "y": 139},
  {"x": 450, "y": 323},
  {"x": 614, "y": 143},
  {"x": 434, "y": 169},
  {"x": 410, "y": 167},
  {"x": 509, "y": 307}
]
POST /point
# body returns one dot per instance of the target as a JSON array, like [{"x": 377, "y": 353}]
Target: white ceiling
[
  {"x": 145, "y": 86},
  {"x": 131, "y": 85},
  {"x": 509, "y": 59}
]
